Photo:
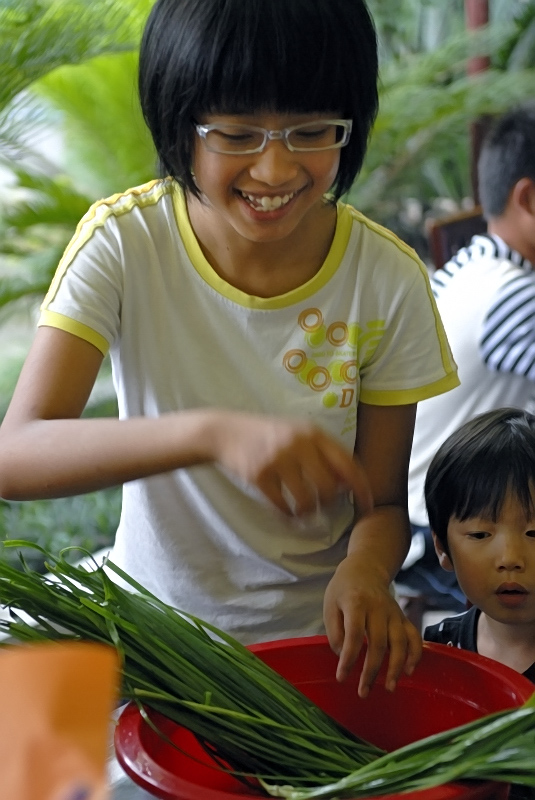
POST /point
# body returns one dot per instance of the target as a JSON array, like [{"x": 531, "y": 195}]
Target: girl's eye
[
  {"x": 312, "y": 133},
  {"x": 239, "y": 137},
  {"x": 531, "y": 534},
  {"x": 233, "y": 139}
]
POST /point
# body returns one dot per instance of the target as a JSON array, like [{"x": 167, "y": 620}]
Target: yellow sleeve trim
[
  {"x": 55, "y": 320},
  {"x": 118, "y": 204},
  {"x": 446, "y": 355},
  {"x": 408, "y": 396}
]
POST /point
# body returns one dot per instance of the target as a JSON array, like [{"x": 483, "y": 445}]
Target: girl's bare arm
[
  {"x": 358, "y": 601},
  {"x": 46, "y": 450}
]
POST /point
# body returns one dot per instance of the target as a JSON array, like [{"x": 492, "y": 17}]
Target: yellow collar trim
[{"x": 205, "y": 270}]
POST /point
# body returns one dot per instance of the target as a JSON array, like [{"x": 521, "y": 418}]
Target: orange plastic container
[{"x": 448, "y": 688}]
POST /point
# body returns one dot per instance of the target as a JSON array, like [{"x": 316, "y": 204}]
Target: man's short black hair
[
  {"x": 244, "y": 56},
  {"x": 476, "y": 467},
  {"x": 507, "y": 155}
]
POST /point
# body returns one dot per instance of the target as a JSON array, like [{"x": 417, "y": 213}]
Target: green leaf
[
  {"x": 107, "y": 144},
  {"x": 37, "y": 36}
]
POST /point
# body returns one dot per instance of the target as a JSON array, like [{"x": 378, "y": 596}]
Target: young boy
[{"x": 479, "y": 492}]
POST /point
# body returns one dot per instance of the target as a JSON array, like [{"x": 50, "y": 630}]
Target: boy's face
[{"x": 495, "y": 562}]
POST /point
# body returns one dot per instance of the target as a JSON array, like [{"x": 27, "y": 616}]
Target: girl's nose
[{"x": 275, "y": 166}]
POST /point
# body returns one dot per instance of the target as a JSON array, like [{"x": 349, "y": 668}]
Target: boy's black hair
[
  {"x": 243, "y": 56},
  {"x": 478, "y": 465},
  {"x": 507, "y": 155}
]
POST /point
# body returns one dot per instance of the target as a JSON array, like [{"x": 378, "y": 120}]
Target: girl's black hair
[
  {"x": 478, "y": 465},
  {"x": 243, "y": 56}
]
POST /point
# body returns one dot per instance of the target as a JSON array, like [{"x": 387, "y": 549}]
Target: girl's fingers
[
  {"x": 375, "y": 653},
  {"x": 397, "y": 659},
  {"x": 395, "y": 639},
  {"x": 272, "y": 489},
  {"x": 415, "y": 648},
  {"x": 348, "y": 655}
]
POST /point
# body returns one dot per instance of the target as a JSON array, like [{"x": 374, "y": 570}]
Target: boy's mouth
[
  {"x": 511, "y": 588},
  {"x": 511, "y": 595},
  {"x": 266, "y": 202}
]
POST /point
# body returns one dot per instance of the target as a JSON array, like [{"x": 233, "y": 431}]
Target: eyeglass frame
[{"x": 282, "y": 135}]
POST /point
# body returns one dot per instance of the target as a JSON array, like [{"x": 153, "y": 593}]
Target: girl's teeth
[
  {"x": 271, "y": 202},
  {"x": 268, "y": 203}
]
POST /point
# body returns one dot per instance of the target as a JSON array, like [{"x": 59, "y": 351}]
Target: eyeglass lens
[{"x": 310, "y": 136}]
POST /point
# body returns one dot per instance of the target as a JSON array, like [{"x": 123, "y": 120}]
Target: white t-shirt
[
  {"x": 134, "y": 280},
  {"x": 486, "y": 298}
]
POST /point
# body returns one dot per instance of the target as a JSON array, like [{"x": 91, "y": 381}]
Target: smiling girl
[{"x": 269, "y": 343}]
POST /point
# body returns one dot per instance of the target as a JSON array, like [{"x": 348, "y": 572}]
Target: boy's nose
[
  {"x": 275, "y": 166},
  {"x": 511, "y": 557}
]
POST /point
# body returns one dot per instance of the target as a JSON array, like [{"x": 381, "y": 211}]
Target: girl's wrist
[
  {"x": 205, "y": 428},
  {"x": 360, "y": 564},
  {"x": 194, "y": 435}
]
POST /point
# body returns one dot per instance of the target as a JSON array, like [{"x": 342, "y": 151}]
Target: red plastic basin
[{"x": 448, "y": 688}]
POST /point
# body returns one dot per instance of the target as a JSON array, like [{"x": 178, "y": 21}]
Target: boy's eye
[
  {"x": 530, "y": 534},
  {"x": 478, "y": 534}
]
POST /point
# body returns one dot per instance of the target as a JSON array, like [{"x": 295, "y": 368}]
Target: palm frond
[
  {"x": 517, "y": 52},
  {"x": 448, "y": 61},
  {"x": 46, "y": 201},
  {"x": 426, "y": 119},
  {"x": 32, "y": 279},
  {"x": 106, "y": 142},
  {"x": 23, "y": 123},
  {"x": 37, "y": 36}
]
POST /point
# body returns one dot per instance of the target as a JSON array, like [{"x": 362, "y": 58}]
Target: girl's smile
[{"x": 268, "y": 203}]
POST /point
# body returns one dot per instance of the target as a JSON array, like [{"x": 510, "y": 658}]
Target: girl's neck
[
  {"x": 512, "y": 645},
  {"x": 264, "y": 268}
]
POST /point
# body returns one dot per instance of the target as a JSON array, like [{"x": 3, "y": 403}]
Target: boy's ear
[
  {"x": 523, "y": 195},
  {"x": 443, "y": 558}
]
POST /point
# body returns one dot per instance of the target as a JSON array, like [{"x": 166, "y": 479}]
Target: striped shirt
[
  {"x": 507, "y": 342},
  {"x": 486, "y": 298}
]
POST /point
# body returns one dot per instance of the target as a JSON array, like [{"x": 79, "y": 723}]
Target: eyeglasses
[{"x": 325, "y": 134}]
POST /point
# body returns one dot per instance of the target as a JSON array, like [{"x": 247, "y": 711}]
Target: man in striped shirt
[{"x": 486, "y": 298}]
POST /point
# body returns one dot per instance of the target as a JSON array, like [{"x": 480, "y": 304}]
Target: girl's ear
[{"x": 443, "y": 558}]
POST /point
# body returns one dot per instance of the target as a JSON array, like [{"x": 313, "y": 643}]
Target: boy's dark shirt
[{"x": 461, "y": 631}]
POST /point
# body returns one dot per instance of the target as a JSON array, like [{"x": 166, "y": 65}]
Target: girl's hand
[
  {"x": 358, "y": 606},
  {"x": 295, "y": 464}
]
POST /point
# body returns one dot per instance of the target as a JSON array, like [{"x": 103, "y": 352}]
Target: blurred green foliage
[{"x": 86, "y": 521}]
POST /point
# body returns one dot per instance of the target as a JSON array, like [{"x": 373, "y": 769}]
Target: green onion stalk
[
  {"x": 253, "y": 722},
  {"x": 250, "y": 719}
]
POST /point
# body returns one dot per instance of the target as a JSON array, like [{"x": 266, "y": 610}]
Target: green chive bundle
[{"x": 251, "y": 720}]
